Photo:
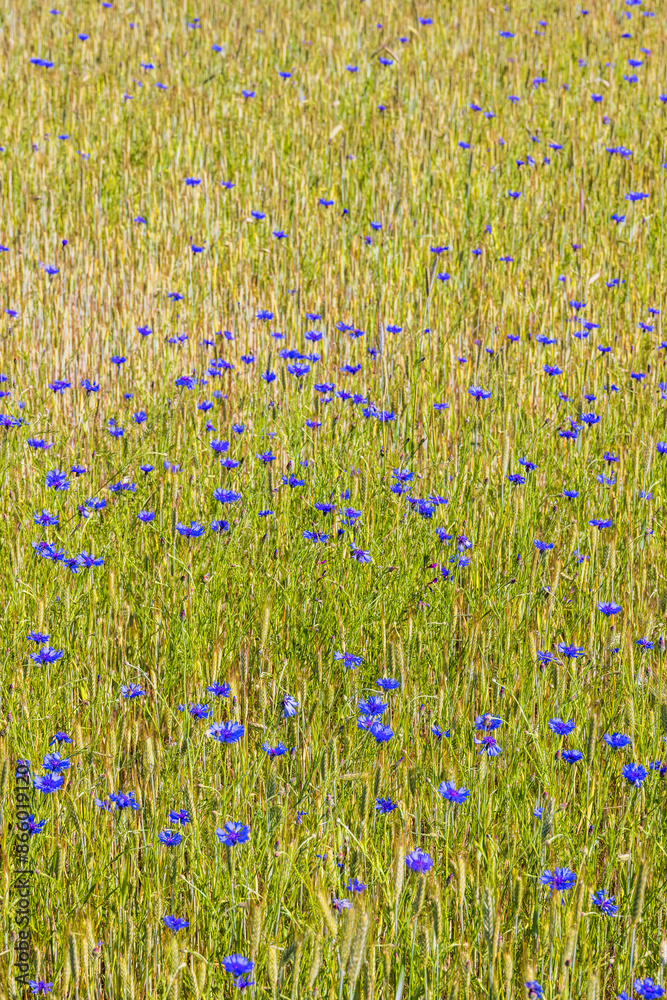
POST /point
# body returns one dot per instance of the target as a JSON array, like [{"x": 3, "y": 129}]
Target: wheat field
[{"x": 333, "y": 450}]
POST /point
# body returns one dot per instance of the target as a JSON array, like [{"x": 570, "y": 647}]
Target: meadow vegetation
[{"x": 333, "y": 450}]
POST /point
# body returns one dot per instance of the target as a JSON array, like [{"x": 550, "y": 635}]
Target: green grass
[{"x": 261, "y": 607}]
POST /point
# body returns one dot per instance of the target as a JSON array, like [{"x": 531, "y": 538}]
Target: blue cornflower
[
  {"x": 192, "y": 530},
  {"x": 175, "y": 923},
  {"x": 648, "y": 989},
  {"x": 451, "y": 793},
  {"x": 33, "y": 826},
  {"x": 132, "y": 691},
  {"x": 232, "y": 833},
  {"x": 617, "y": 740},
  {"x": 561, "y": 728},
  {"x": 488, "y": 722},
  {"x": 478, "y": 393},
  {"x": 45, "y": 519},
  {"x": 124, "y": 800},
  {"x": 373, "y": 706},
  {"x": 60, "y": 737},
  {"x": 48, "y": 783},
  {"x": 560, "y": 880},
  {"x": 220, "y": 690},
  {"x": 237, "y": 965},
  {"x": 226, "y": 732},
  {"x": 315, "y": 536},
  {"x": 38, "y": 637},
  {"x": 170, "y": 838},
  {"x": 197, "y": 711},
  {"x": 571, "y": 756},
  {"x": 419, "y": 861},
  {"x": 226, "y": 496},
  {"x": 57, "y": 480},
  {"x": 380, "y": 732},
  {"x": 277, "y": 751},
  {"x": 608, "y": 608},
  {"x": 289, "y": 706},
  {"x": 360, "y": 555},
  {"x": 546, "y": 657},
  {"x": 605, "y": 903},
  {"x": 489, "y": 746},
  {"x": 350, "y": 659},
  {"x": 47, "y": 655},
  {"x": 180, "y": 816},
  {"x": 384, "y": 806},
  {"x": 55, "y": 764},
  {"x": 386, "y": 683},
  {"x": 571, "y": 652}
]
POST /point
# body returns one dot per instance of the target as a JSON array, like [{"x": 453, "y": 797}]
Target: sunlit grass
[{"x": 364, "y": 171}]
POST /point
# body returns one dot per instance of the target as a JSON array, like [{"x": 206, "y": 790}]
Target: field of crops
[{"x": 334, "y": 441}]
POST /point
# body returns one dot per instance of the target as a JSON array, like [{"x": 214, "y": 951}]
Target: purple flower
[
  {"x": 605, "y": 903},
  {"x": 489, "y": 746},
  {"x": 289, "y": 706},
  {"x": 220, "y": 690},
  {"x": 648, "y": 989},
  {"x": 381, "y": 733},
  {"x": 123, "y": 800},
  {"x": 570, "y": 651},
  {"x": 277, "y": 751},
  {"x": 558, "y": 880},
  {"x": 608, "y": 608},
  {"x": 488, "y": 722},
  {"x": 57, "y": 480},
  {"x": 451, "y": 793},
  {"x": 55, "y": 764},
  {"x": 634, "y": 774},
  {"x": 47, "y": 655},
  {"x": 48, "y": 783},
  {"x": 237, "y": 965},
  {"x": 419, "y": 861},
  {"x": 132, "y": 691},
  {"x": 617, "y": 740},
  {"x": 561, "y": 728},
  {"x": 372, "y": 706},
  {"x": 349, "y": 659},
  {"x": 232, "y": 833},
  {"x": 226, "y": 732},
  {"x": 170, "y": 838},
  {"x": 175, "y": 923}
]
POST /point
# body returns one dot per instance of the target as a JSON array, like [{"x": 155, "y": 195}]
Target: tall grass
[{"x": 263, "y": 608}]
